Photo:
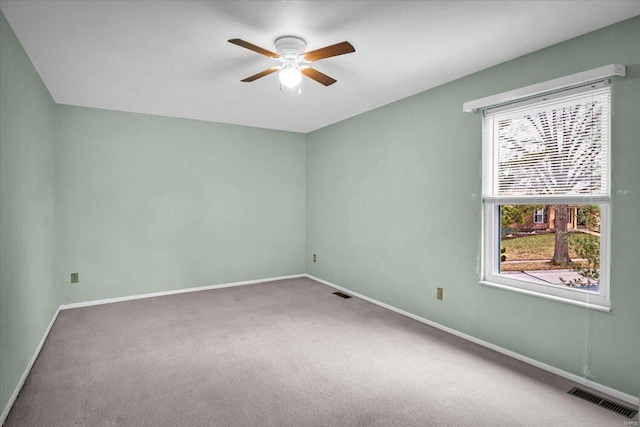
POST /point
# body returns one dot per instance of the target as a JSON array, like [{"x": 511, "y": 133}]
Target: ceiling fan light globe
[{"x": 290, "y": 77}]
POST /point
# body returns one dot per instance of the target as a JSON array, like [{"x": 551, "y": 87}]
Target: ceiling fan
[{"x": 293, "y": 60}]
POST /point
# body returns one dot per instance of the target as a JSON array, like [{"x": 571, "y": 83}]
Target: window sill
[{"x": 547, "y": 296}]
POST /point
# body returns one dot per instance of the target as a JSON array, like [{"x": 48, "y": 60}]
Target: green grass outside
[{"x": 536, "y": 247}]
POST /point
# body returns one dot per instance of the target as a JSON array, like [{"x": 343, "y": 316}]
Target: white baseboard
[
  {"x": 25, "y": 374},
  {"x": 175, "y": 291},
  {"x": 572, "y": 377},
  {"x": 16, "y": 391}
]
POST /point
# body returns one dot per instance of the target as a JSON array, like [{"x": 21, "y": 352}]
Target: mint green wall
[
  {"x": 143, "y": 204},
  {"x": 394, "y": 211},
  {"x": 28, "y": 294},
  {"x": 148, "y": 203}
]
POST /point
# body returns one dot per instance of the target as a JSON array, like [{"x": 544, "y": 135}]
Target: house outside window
[{"x": 545, "y": 168}]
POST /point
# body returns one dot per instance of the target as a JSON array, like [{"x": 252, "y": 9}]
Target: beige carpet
[{"x": 286, "y": 353}]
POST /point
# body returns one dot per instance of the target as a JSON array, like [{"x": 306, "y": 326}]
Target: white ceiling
[{"x": 172, "y": 58}]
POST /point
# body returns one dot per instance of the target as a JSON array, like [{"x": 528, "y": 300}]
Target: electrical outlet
[
  {"x": 439, "y": 293},
  {"x": 314, "y": 258},
  {"x": 74, "y": 278}
]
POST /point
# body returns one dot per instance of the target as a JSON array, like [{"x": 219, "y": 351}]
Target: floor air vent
[
  {"x": 340, "y": 294},
  {"x": 612, "y": 406}
]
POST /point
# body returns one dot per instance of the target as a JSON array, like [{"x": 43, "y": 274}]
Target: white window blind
[{"x": 553, "y": 147}]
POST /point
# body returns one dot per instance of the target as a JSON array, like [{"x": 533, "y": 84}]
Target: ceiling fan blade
[
  {"x": 260, "y": 74},
  {"x": 253, "y": 47},
  {"x": 318, "y": 76},
  {"x": 329, "y": 51}
]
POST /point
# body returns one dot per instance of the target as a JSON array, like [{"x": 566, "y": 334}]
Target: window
[
  {"x": 546, "y": 163},
  {"x": 539, "y": 217}
]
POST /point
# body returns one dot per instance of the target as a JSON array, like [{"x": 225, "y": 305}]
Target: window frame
[
  {"x": 491, "y": 233},
  {"x": 491, "y": 262},
  {"x": 542, "y": 215}
]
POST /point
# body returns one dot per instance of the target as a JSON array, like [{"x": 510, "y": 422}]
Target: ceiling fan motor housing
[{"x": 290, "y": 47}]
